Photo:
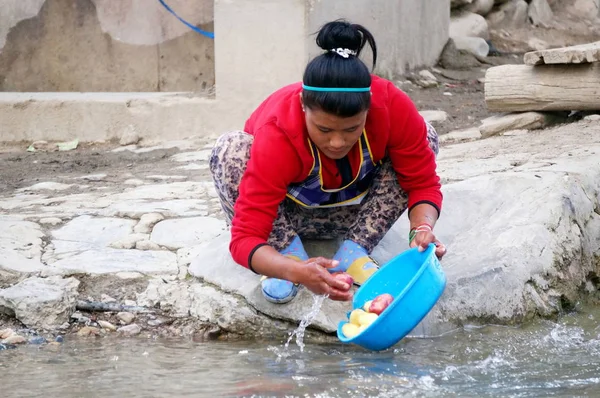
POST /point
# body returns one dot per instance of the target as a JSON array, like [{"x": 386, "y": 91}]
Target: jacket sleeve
[
  {"x": 273, "y": 165},
  {"x": 408, "y": 148}
]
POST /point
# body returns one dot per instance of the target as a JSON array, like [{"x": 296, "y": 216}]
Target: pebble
[
  {"x": 77, "y": 316},
  {"x": 126, "y": 317},
  {"x": 37, "y": 340},
  {"x": 7, "y": 346},
  {"x": 105, "y": 298},
  {"x": 130, "y": 303},
  {"x": 5, "y": 333},
  {"x": 59, "y": 339},
  {"x": 88, "y": 331},
  {"x": 107, "y": 325},
  {"x": 14, "y": 339},
  {"x": 130, "y": 330},
  {"x": 155, "y": 322},
  {"x": 64, "y": 326}
]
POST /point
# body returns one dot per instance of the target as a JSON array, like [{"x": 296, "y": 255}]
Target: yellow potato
[
  {"x": 367, "y": 305},
  {"x": 367, "y": 319},
  {"x": 350, "y": 330},
  {"x": 361, "y": 329},
  {"x": 355, "y": 316}
]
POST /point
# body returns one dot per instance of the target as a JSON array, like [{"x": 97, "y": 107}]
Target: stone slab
[
  {"x": 579, "y": 54},
  {"x": 95, "y": 230},
  {"x": 182, "y": 232},
  {"x": 41, "y": 302},
  {"x": 108, "y": 261}
]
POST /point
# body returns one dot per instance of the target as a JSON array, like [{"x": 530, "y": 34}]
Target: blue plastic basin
[{"x": 416, "y": 281}]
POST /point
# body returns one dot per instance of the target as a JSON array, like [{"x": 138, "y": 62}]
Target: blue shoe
[
  {"x": 355, "y": 261},
  {"x": 278, "y": 291}
]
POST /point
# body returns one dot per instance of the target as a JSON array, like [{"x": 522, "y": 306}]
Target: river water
[{"x": 558, "y": 359}]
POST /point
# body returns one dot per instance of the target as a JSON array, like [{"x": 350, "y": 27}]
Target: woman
[{"x": 345, "y": 153}]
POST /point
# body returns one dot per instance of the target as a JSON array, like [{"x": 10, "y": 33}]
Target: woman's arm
[{"x": 312, "y": 273}]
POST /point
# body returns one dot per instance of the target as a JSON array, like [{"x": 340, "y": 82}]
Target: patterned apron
[{"x": 311, "y": 193}]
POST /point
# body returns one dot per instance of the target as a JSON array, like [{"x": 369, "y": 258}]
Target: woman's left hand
[{"x": 423, "y": 239}]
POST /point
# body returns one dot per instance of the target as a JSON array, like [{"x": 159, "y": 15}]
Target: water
[
  {"x": 305, "y": 322},
  {"x": 545, "y": 359}
]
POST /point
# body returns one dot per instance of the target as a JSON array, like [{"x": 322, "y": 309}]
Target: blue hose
[{"x": 189, "y": 25}]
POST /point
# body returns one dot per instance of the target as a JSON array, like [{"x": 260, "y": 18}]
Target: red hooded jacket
[{"x": 280, "y": 156}]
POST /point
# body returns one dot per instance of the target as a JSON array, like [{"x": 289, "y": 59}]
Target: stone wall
[
  {"x": 104, "y": 45},
  {"x": 409, "y": 33}
]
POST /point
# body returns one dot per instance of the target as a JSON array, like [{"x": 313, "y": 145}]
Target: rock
[
  {"x": 173, "y": 297},
  {"x": 40, "y": 303},
  {"x": 537, "y": 44},
  {"x": 457, "y": 136},
  {"x": 426, "y": 79},
  {"x": 126, "y": 317},
  {"x": 14, "y": 339},
  {"x": 481, "y": 7},
  {"x": 216, "y": 267},
  {"x": 589, "y": 9},
  {"x": 474, "y": 45},
  {"x": 147, "y": 222},
  {"x": 459, "y": 3},
  {"x": 434, "y": 116},
  {"x": 50, "y": 221},
  {"x": 147, "y": 245},
  {"x": 130, "y": 303},
  {"x": 468, "y": 24},
  {"x": 527, "y": 120},
  {"x": 5, "y": 333},
  {"x": 540, "y": 13},
  {"x": 97, "y": 231},
  {"x": 592, "y": 118},
  {"x": 178, "y": 233},
  {"x": 129, "y": 136},
  {"x": 541, "y": 237},
  {"x": 453, "y": 58},
  {"x": 155, "y": 322},
  {"x": 105, "y": 298},
  {"x": 130, "y": 330},
  {"x": 88, "y": 331},
  {"x": 128, "y": 242},
  {"x": 584, "y": 53},
  {"x": 107, "y": 325},
  {"x": 59, "y": 339},
  {"x": 192, "y": 156},
  {"x": 48, "y": 186},
  {"x": 20, "y": 247},
  {"x": 510, "y": 14},
  {"x": 37, "y": 340},
  {"x": 80, "y": 318},
  {"x": 115, "y": 261}
]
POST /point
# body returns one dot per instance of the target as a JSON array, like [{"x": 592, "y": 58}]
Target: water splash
[{"x": 305, "y": 322}]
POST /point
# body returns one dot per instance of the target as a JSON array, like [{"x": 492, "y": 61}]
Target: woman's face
[{"x": 333, "y": 135}]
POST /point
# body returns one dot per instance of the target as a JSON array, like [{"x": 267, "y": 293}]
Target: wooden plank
[
  {"x": 520, "y": 88},
  {"x": 583, "y": 53}
]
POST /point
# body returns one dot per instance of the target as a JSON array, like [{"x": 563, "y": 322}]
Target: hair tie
[{"x": 343, "y": 52}]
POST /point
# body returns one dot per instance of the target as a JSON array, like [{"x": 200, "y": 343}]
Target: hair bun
[{"x": 340, "y": 34}]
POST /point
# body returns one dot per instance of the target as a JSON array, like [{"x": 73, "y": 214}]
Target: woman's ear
[{"x": 301, "y": 101}]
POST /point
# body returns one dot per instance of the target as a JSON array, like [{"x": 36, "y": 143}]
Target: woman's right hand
[{"x": 313, "y": 274}]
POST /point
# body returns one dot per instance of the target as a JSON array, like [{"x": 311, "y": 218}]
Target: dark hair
[{"x": 333, "y": 70}]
